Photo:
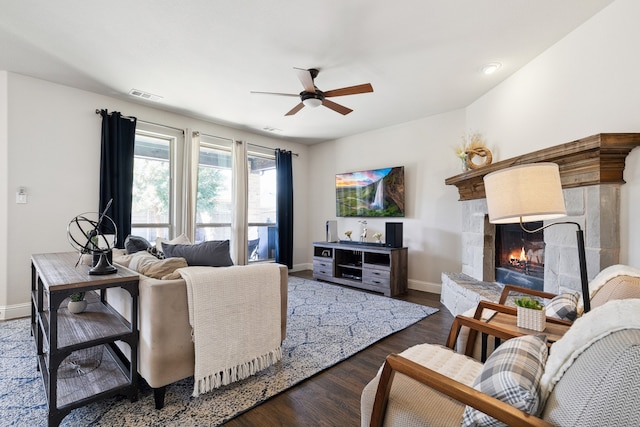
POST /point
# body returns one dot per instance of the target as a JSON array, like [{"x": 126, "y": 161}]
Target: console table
[
  {"x": 59, "y": 333},
  {"x": 369, "y": 266}
]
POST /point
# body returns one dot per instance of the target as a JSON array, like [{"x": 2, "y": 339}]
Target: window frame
[
  {"x": 214, "y": 143},
  {"x": 256, "y": 151},
  {"x": 175, "y": 139}
]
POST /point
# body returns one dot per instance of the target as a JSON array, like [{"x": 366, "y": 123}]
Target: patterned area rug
[{"x": 326, "y": 324}]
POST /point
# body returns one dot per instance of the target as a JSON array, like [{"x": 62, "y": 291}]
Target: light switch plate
[{"x": 21, "y": 196}]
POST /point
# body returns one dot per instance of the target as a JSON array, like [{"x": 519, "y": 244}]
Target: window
[
  {"x": 261, "y": 207},
  {"x": 154, "y": 185},
  {"x": 214, "y": 196},
  {"x": 158, "y": 189}
]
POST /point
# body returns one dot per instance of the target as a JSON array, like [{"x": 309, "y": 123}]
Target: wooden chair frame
[
  {"x": 522, "y": 290},
  {"x": 447, "y": 386}
]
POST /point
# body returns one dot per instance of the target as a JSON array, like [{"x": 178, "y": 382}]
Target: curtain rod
[
  {"x": 201, "y": 133},
  {"x": 248, "y": 143},
  {"x": 147, "y": 123},
  {"x": 269, "y": 148}
]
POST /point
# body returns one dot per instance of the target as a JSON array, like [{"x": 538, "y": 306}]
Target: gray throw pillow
[
  {"x": 133, "y": 244},
  {"x": 212, "y": 253},
  {"x": 512, "y": 374},
  {"x": 563, "y": 306}
]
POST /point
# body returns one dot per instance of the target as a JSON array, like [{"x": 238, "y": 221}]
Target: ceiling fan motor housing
[{"x": 304, "y": 95}]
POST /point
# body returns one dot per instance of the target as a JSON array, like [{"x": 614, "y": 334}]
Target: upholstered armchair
[
  {"x": 590, "y": 377},
  {"x": 612, "y": 283}
]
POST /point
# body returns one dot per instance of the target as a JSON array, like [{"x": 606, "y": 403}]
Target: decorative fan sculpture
[{"x": 94, "y": 233}]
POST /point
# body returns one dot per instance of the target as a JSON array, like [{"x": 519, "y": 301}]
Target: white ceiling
[{"x": 203, "y": 57}]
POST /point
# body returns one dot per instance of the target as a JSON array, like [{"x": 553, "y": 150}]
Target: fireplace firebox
[{"x": 520, "y": 255}]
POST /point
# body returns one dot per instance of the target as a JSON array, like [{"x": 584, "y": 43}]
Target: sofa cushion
[
  {"x": 140, "y": 260},
  {"x": 164, "y": 269},
  {"x": 134, "y": 244},
  {"x": 512, "y": 374},
  {"x": 563, "y": 306},
  {"x": 212, "y": 253},
  {"x": 150, "y": 266}
]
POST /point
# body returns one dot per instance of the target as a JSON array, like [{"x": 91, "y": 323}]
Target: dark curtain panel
[
  {"x": 284, "y": 208},
  {"x": 116, "y": 169}
]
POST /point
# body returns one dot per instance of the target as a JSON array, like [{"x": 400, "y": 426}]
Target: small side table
[
  {"x": 58, "y": 333},
  {"x": 502, "y": 325}
]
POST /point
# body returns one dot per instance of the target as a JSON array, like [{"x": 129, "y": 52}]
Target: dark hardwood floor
[{"x": 332, "y": 397}]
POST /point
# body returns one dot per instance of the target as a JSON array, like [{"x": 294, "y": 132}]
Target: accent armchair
[{"x": 591, "y": 377}]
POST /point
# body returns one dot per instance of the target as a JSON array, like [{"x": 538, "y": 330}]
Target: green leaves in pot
[
  {"x": 527, "y": 302},
  {"x": 77, "y": 296}
]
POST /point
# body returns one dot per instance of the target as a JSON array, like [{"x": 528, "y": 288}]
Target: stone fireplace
[{"x": 591, "y": 173}]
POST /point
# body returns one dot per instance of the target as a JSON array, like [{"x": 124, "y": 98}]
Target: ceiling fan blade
[
  {"x": 275, "y": 93},
  {"x": 295, "y": 109},
  {"x": 351, "y": 90},
  {"x": 336, "y": 107},
  {"x": 305, "y": 78}
]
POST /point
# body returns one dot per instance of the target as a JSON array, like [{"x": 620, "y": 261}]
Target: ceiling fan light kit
[
  {"x": 312, "y": 100},
  {"x": 313, "y": 97}
]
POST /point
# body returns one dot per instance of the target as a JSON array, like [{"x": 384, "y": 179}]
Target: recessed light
[{"x": 491, "y": 68}]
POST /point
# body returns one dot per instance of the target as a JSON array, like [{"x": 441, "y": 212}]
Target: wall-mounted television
[{"x": 370, "y": 193}]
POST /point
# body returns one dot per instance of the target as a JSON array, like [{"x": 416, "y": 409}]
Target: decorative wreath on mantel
[{"x": 480, "y": 151}]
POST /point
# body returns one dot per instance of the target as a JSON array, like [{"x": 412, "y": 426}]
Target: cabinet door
[
  {"x": 323, "y": 269},
  {"x": 376, "y": 277}
]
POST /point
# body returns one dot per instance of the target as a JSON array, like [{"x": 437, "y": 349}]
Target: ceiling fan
[{"x": 311, "y": 96}]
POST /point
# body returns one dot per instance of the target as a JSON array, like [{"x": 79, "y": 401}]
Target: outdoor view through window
[{"x": 153, "y": 204}]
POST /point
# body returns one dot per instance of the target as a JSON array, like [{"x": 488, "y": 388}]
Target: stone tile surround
[{"x": 595, "y": 208}]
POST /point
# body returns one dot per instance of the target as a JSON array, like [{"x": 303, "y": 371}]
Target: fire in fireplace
[{"x": 520, "y": 255}]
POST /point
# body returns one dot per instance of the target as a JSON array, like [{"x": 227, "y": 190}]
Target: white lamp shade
[
  {"x": 525, "y": 193},
  {"x": 312, "y": 102}
]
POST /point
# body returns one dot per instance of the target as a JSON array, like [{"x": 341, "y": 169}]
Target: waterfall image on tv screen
[{"x": 376, "y": 192}]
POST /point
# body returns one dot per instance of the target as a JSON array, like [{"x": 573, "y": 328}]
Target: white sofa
[{"x": 166, "y": 352}]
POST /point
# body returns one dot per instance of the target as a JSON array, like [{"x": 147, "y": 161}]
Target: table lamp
[{"x": 532, "y": 192}]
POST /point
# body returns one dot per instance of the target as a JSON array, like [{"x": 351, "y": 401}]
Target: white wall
[
  {"x": 587, "y": 83},
  {"x": 53, "y": 150},
  {"x": 4, "y": 175},
  {"x": 432, "y": 219}
]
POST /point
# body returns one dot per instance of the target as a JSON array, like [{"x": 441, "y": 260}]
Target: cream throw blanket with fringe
[{"x": 234, "y": 313}]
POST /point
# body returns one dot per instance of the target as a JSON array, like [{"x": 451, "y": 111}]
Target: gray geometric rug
[{"x": 326, "y": 324}]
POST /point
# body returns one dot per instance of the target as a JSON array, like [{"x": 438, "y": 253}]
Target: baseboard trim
[
  {"x": 419, "y": 285},
  {"x": 301, "y": 267},
  {"x": 15, "y": 311}
]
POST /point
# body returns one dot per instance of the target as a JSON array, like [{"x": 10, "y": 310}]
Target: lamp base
[{"x": 103, "y": 266}]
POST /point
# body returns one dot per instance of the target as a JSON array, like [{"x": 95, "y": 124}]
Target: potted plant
[
  {"x": 77, "y": 303},
  {"x": 531, "y": 314}
]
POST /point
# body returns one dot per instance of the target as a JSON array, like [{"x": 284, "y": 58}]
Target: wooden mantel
[{"x": 597, "y": 159}]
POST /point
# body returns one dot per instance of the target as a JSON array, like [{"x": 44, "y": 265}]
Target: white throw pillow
[{"x": 180, "y": 240}]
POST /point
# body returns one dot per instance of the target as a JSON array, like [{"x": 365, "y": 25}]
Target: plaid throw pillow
[
  {"x": 563, "y": 306},
  {"x": 512, "y": 374}
]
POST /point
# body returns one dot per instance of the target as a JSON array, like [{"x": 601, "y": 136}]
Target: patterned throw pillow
[
  {"x": 512, "y": 374},
  {"x": 563, "y": 306}
]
